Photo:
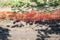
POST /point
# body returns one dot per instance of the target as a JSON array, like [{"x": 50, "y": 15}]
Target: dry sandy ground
[
  {"x": 25, "y": 33},
  {"x": 5, "y": 8},
  {"x": 22, "y": 34}
]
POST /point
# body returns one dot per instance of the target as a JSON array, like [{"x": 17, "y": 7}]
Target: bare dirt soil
[
  {"x": 23, "y": 33},
  {"x": 27, "y": 32}
]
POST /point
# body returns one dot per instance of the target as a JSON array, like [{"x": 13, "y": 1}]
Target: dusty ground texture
[
  {"x": 45, "y": 8},
  {"x": 27, "y": 32}
]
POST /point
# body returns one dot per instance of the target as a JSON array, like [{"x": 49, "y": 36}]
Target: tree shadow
[
  {"x": 43, "y": 33},
  {"x": 4, "y": 33}
]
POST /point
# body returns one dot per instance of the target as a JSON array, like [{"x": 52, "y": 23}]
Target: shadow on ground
[
  {"x": 43, "y": 33},
  {"x": 4, "y": 33},
  {"x": 41, "y": 36}
]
